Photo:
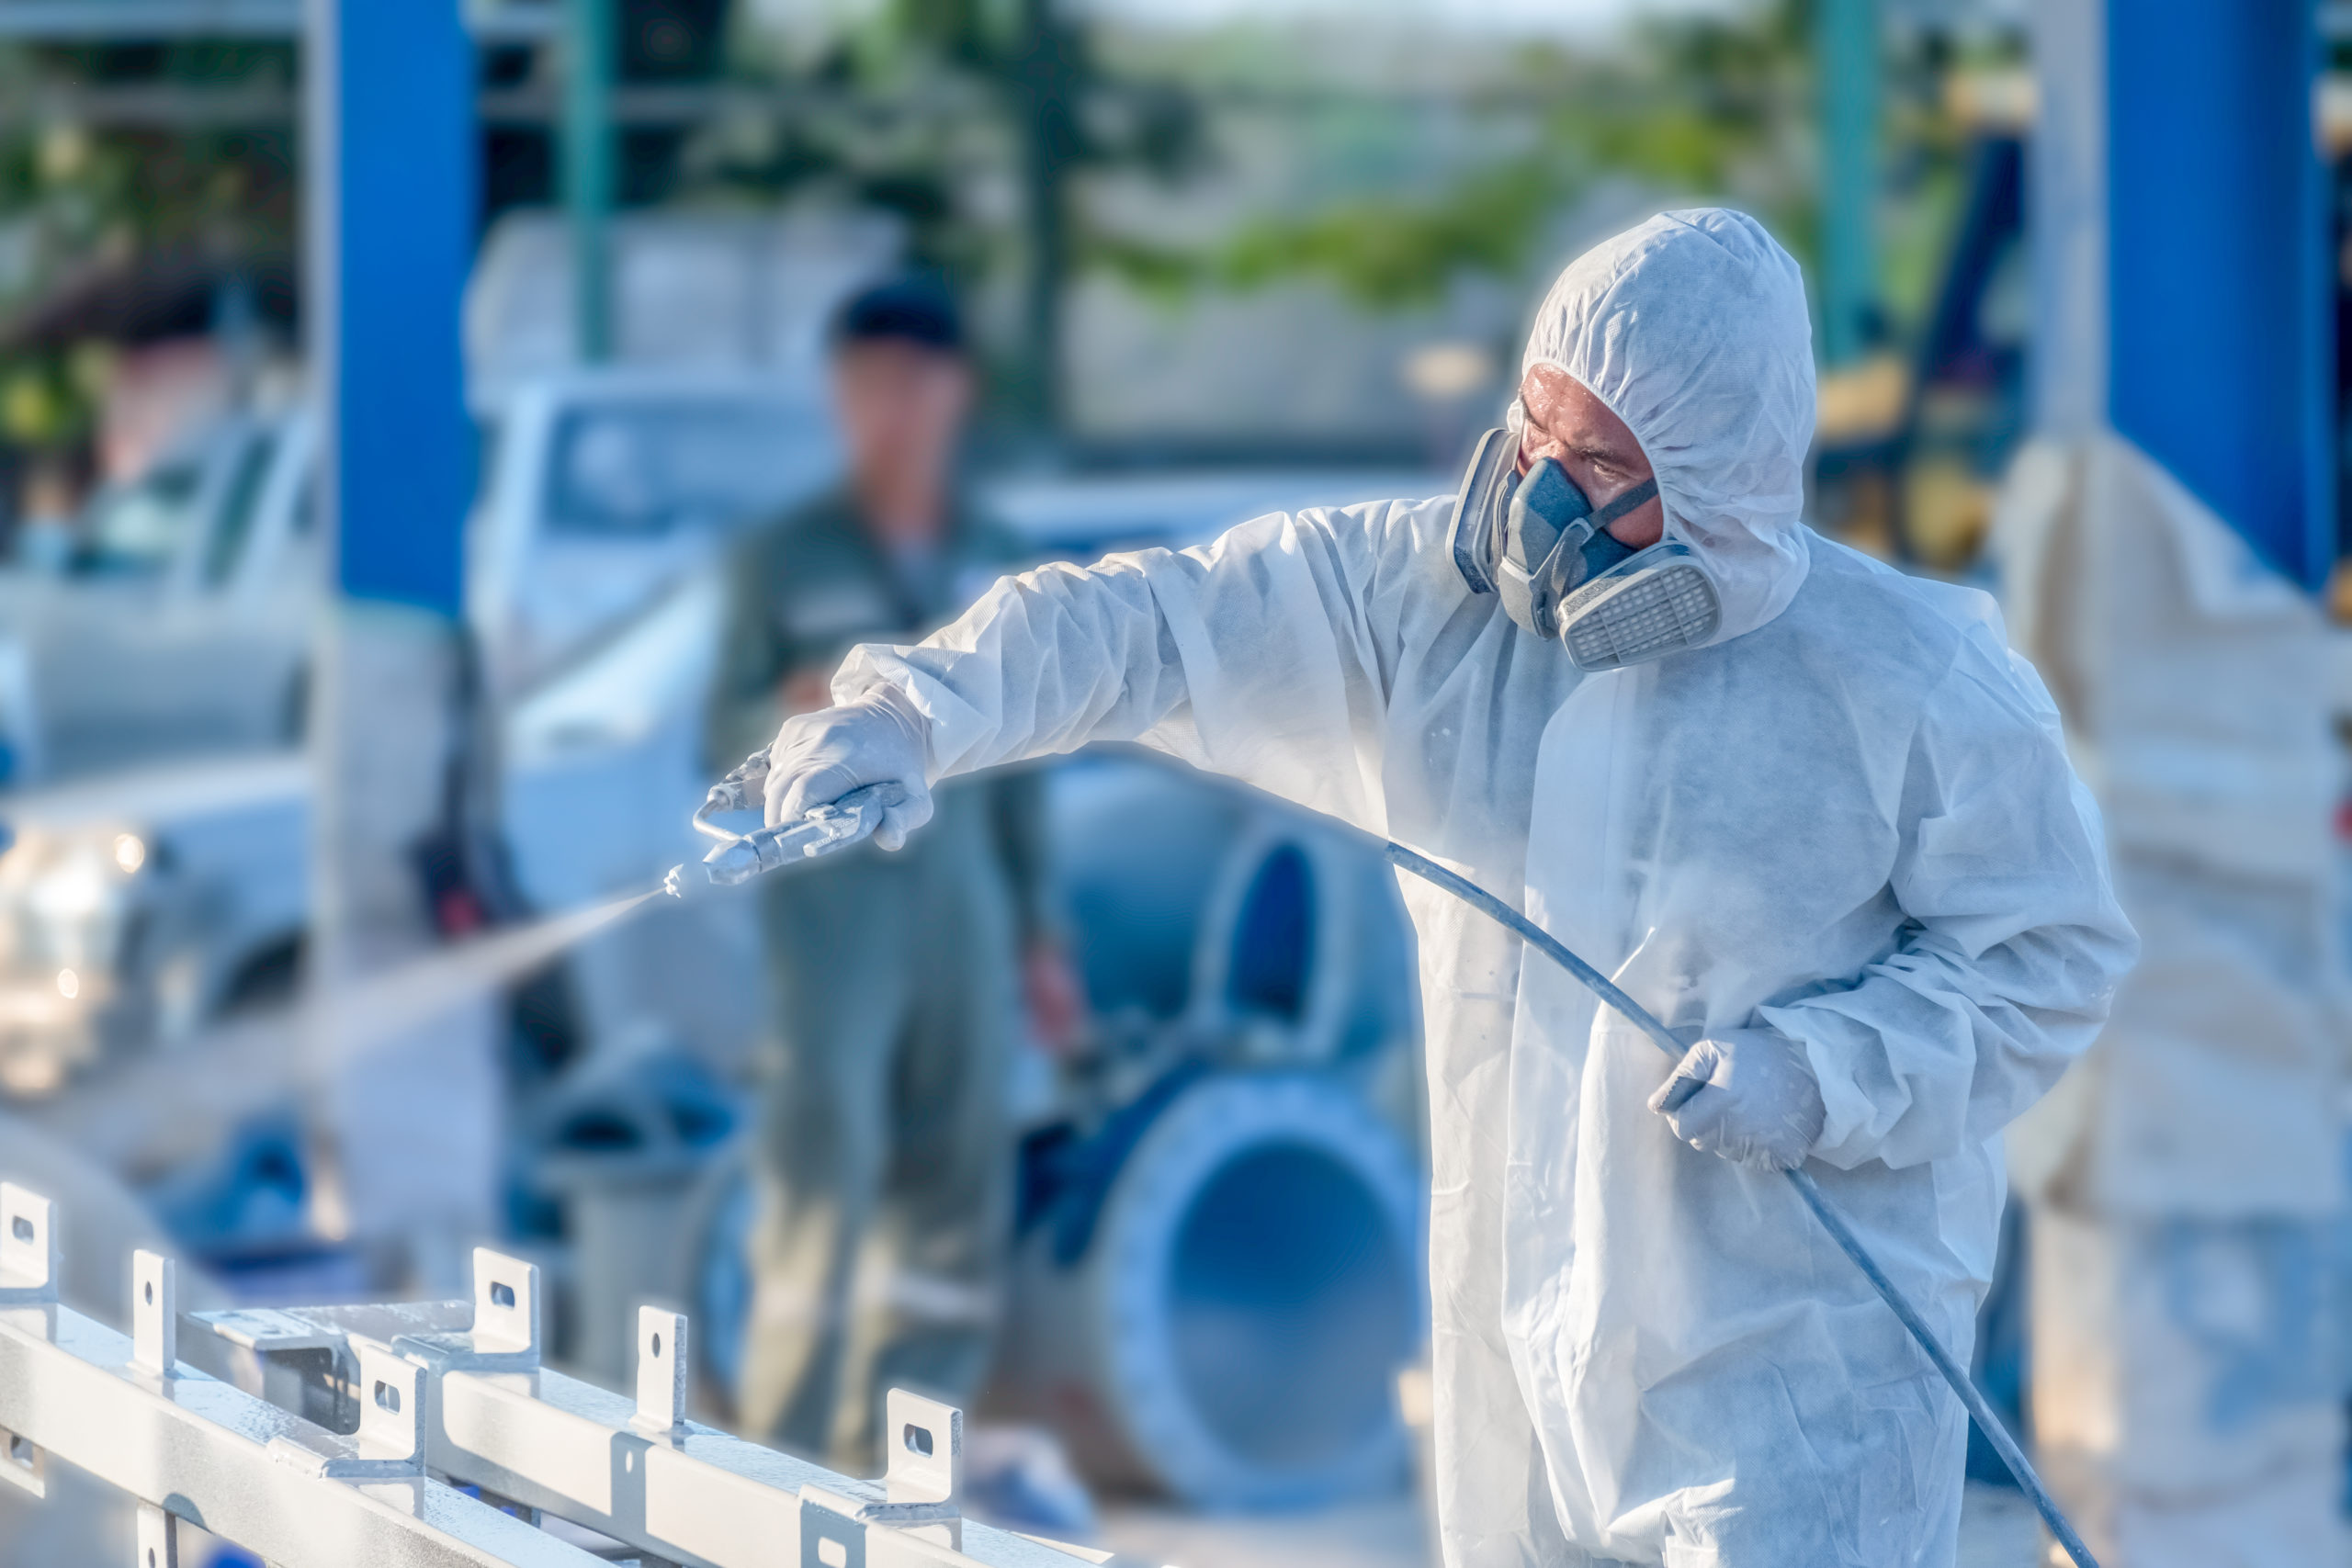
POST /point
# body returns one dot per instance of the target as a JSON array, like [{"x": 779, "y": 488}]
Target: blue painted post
[
  {"x": 2220, "y": 299},
  {"x": 390, "y": 176},
  {"x": 390, "y": 184}
]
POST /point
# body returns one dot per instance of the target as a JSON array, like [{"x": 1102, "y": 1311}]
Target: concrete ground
[{"x": 1998, "y": 1529}]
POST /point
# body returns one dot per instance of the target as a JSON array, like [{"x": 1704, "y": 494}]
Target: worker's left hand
[
  {"x": 1057, "y": 1002},
  {"x": 1747, "y": 1095}
]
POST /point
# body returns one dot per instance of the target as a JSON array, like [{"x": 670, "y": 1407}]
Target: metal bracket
[
  {"x": 289, "y": 1489},
  {"x": 832, "y": 1535},
  {"x": 266, "y": 1329},
  {"x": 505, "y": 1332},
  {"x": 391, "y": 1410},
  {"x": 158, "y": 1538},
  {"x": 924, "y": 1482},
  {"x": 661, "y": 1371},
  {"x": 28, "y": 1250},
  {"x": 23, "y": 1464},
  {"x": 921, "y": 1489},
  {"x": 154, "y": 1313},
  {"x": 439, "y": 1407},
  {"x": 390, "y": 1444}
]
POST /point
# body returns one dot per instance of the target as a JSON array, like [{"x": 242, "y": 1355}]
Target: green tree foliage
[
  {"x": 927, "y": 109},
  {"x": 78, "y": 203},
  {"x": 1693, "y": 106}
]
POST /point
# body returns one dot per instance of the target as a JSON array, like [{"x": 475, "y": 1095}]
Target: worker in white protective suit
[{"x": 1824, "y": 826}]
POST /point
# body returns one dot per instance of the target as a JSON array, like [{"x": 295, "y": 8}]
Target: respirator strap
[{"x": 1631, "y": 502}]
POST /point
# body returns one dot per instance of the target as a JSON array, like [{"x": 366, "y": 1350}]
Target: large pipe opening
[{"x": 1292, "y": 1306}]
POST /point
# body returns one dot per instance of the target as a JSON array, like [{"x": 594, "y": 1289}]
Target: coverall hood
[{"x": 1693, "y": 328}]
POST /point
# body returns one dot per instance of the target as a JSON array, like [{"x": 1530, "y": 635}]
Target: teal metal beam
[
  {"x": 1846, "y": 64},
  {"x": 589, "y": 30}
]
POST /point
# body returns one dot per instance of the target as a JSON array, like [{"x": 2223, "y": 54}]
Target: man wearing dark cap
[{"x": 899, "y": 976}]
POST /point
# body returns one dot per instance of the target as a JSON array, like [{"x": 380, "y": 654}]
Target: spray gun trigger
[{"x": 822, "y": 832}]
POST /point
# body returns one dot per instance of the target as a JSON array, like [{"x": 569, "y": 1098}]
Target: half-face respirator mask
[{"x": 1539, "y": 542}]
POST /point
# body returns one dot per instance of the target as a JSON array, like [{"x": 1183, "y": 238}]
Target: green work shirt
[{"x": 805, "y": 589}]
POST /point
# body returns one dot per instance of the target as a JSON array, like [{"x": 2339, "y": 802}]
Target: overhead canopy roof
[{"x": 128, "y": 19}]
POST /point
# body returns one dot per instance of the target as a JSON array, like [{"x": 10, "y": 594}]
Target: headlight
[{"x": 64, "y": 898}]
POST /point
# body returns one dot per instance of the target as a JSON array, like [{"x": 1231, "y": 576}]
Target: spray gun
[{"x": 739, "y": 857}]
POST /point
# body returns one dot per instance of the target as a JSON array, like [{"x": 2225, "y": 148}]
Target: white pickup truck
[
  {"x": 177, "y": 618},
  {"x": 137, "y": 910},
  {"x": 179, "y": 628}
]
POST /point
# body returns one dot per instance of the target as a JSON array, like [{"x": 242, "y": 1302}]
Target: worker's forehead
[
  {"x": 1562, "y": 405},
  {"x": 895, "y": 355}
]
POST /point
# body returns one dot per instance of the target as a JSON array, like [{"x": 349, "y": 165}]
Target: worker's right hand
[
  {"x": 820, "y": 757},
  {"x": 1747, "y": 1095}
]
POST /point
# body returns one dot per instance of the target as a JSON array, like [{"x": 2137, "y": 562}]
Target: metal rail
[{"x": 326, "y": 1436}]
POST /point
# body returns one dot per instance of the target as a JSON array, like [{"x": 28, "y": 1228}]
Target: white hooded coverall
[{"x": 1848, "y": 818}]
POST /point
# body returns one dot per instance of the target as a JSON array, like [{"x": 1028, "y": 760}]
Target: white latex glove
[
  {"x": 818, "y": 758},
  {"x": 1747, "y": 1095}
]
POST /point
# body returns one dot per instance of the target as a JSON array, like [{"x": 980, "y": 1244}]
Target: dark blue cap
[{"x": 914, "y": 308}]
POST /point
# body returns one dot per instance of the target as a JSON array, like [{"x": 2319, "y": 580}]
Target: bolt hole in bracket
[
  {"x": 23, "y": 1464},
  {"x": 921, "y": 1489},
  {"x": 661, "y": 1370},
  {"x": 390, "y": 1444},
  {"x": 505, "y": 1336},
  {"x": 158, "y": 1538},
  {"x": 29, "y": 1269},
  {"x": 28, "y": 1247}
]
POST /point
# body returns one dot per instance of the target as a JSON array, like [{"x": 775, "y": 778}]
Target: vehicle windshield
[
  {"x": 650, "y": 468},
  {"x": 135, "y": 530},
  {"x": 226, "y": 548}
]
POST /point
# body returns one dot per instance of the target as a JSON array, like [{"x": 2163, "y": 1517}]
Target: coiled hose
[{"x": 1987, "y": 1422}]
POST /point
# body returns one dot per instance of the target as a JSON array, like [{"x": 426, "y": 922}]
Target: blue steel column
[
  {"x": 2220, "y": 304},
  {"x": 392, "y": 238}
]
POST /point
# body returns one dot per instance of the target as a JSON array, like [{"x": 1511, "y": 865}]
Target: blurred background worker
[{"x": 899, "y": 977}]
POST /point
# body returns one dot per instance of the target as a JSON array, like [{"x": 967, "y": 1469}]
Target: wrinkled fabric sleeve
[
  {"x": 2013, "y": 947},
  {"x": 1259, "y": 656}
]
